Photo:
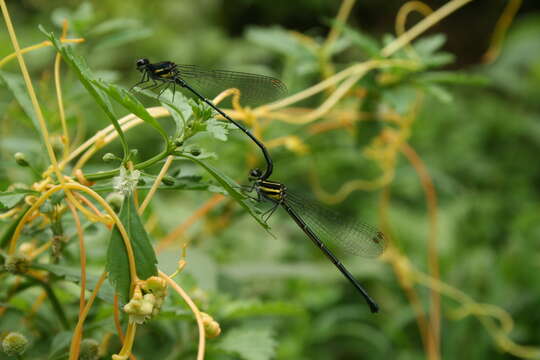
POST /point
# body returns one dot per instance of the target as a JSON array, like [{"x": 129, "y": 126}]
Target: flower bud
[
  {"x": 211, "y": 327},
  {"x": 20, "y": 159},
  {"x": 14, "y": 344},
  {"x": 47, "y": 207},
  {"x": 109, "y": 157},
  {"x": 168, "y": 180},
  {"x": 89, "y": 350},
  {"x": 156, "y": 285},
  {"x": 17, "y": 264},
  {"x": 178, "y": 142},
  {"x": 176, "y": 172}
]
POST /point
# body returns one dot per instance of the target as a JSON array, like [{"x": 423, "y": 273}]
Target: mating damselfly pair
[{"x": 321, "y": 225}]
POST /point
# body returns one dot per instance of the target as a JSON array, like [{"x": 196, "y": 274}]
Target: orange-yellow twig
[
  {"x": 403, "y": 13},
  {"x": 399, "y": 264},
  {"x": 42, "y": 44},
  {"x": 101, "y": 201},
  {"x": 433, "y": 259},
  {"x": 200, "y": 212},
  {"x": 78, "y": 331},
  {"x": 503, "y": 24},
  {"x": 156, "y": 183},
  {"x": 57, "y": 62},
  {"x": 88, "y": 203},
  {"x": 423, "y": 25},
  {"x": 194, "y": 309},
  {"x": 341, "y": 18},
  {"x": 82, "y": 249}
]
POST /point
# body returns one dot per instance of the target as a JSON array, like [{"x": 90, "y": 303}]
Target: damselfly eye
[
  {"x": 142, "y": 62},
  {"x": 255, "y": 173}
]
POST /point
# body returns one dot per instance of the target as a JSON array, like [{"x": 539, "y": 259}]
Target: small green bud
[
  {"x": 195, "y": 151},
  {"x": 17, "y": 264},
  {"x": 168, "y": 180},
  {"x": 89, "y": 350},
  {"x": 115, "y": 199},
  {"x": 178, "y": 142},
  {"x": 176, "y": 172},
  {"x": 14, "y": 344},
  {"x": 110, "y": 157},
  {"x": 211, "y": 327},
  {"x": 47, "y": 207},
  {"x": 20, "y": 159},
  {"x": 57, "y": 197}
]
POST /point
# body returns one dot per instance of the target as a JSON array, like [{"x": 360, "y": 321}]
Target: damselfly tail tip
[{"x": 373, "y": 307}]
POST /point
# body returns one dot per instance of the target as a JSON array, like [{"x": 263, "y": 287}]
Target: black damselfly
[
  {"x": 322, "y": 226},
  {"x": 254, "y": 89}
]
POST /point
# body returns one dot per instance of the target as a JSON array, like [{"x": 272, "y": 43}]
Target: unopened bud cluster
[
  {"x": 89, "y": 350},
  {"x": 147, "y": 299},
  {"x": 211, "y": 326},
  {"x": 17, "y": 264},
  {"x": 14, "y": 344},
  {"x": 126, "y": 181}
]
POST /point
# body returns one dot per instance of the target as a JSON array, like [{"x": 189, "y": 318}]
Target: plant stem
[
  {"x": 142, "y": 165},
  {"x": 57, "y": 308}
]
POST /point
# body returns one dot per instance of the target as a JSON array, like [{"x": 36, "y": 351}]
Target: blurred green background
[{"x": 477, "y": 132}]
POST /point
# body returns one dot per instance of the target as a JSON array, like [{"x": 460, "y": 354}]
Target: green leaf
[
  {"x": 8, "y": 233},
  {"x": 365, "y": 42},
  {"x": 117, "y": 259},
  {"x": 202, "y": 112},
  {"x": 246, "y": 309},
  {"x": 112, "y": 25},
  {"x": 131, "y": 103},
  {"x": 78, "y": 64},
  {"x": 400, "y": 97},
  {"x": 180, "y": 111},
  {"x": 218, "y": 129},
  {"x": 427, "y": 47},
  {"x": 276, "y": 39},
  {"x": 123, "y": 37},
  {"x": 440, "y": 93},
  {"x": 453, "y": 77},
  {"x": 72, "y": 274},
  {"x": 60, "y": 346},
  {"x": 250, "y": 343},
  {"x": 229, "y": 185},
  {"x": 9, "y": 199},
  {"x": 196, "y": 151},
  {"x": 15, "y": 84}
]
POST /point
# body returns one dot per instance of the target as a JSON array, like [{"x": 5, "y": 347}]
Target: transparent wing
[
  {"x": 332, "y": 227},
  {"x": 255, "y": 89}
]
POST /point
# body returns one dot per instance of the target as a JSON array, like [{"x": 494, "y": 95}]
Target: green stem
[
  {"x": 57, "y": 307},
  {"x": 142, "y": 165},
  {"x": 123, "y": 141}
]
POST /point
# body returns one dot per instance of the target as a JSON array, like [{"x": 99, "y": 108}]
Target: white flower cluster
[{"x": 126, "y": 181}]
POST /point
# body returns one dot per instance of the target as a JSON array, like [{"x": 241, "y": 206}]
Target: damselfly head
[
  {"x": 141, "y": 64},
  {"x": 255, "y": 174}
]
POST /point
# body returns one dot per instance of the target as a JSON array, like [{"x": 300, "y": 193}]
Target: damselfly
[
  {"x": 254, "y": 89},
  {"x": 323, "y": 226}
]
